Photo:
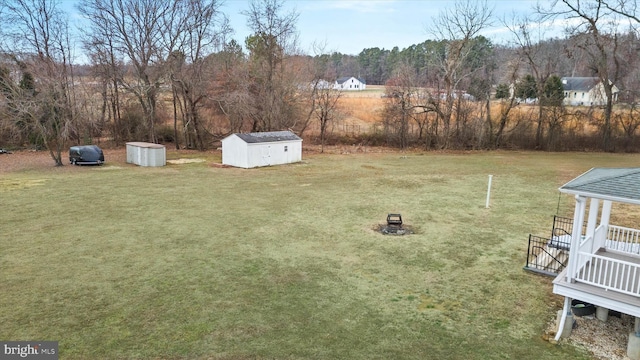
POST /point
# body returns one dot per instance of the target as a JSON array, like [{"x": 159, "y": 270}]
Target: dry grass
[
  {"x": 191, "y": 261},
  {"x": 363, "y": 109}
]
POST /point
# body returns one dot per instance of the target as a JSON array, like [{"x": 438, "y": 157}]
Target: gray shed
[{"x": 146, "y": 154}]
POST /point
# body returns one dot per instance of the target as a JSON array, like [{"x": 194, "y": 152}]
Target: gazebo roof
[{"x": 615, "y": 184}]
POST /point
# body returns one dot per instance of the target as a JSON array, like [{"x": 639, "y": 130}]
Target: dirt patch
[
  {"x": 27, "y": 160},
  {"x": 185, "y": 161},
  {"x": 40, "y": 160},
  {"x": 222, "y": 166}
]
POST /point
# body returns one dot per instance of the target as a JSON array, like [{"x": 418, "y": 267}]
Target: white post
[
  {"x": 594, "y": 208},
  {"x": 488, "y": 192},
  {"x": 606, "y": 213},
  {"x": 578, "y": 219}
]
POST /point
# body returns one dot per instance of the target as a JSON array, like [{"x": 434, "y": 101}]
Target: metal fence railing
[
  {"x": 545, "y": 257},
  {"x": 549, "y": 256}
]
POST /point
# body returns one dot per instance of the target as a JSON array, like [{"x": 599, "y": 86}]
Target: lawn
[{"x": 191, "y": 261}]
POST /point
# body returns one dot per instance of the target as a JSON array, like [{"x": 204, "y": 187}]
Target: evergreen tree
[
  {"x": 502, "y": 91},
  {"x": 526, "y": 88},
  {"x": 553, "y": 92}
]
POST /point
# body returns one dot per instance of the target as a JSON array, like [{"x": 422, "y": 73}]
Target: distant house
[
  {"x": 321, "y": 84},
  {"x": 442, "y": 95},
  {"x": 261, "y": 149},
  {"x": 587, "y": 91},
  {"x": 350, "y": 83}
]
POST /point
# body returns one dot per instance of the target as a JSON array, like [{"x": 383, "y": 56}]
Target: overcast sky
[{"x": 348, "y": 26}]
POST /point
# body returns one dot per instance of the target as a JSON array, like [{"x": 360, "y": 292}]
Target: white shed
[
  {"x": 261, "y": 149},
  {"x": 146, "y": 154}
]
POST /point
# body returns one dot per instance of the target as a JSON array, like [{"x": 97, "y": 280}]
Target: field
[
  {"x": 194, "y": 261},
  {"x": 361, "y": 113}
]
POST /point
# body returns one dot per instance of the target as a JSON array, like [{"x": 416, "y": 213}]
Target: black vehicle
[{"x": 86, "y": 155}]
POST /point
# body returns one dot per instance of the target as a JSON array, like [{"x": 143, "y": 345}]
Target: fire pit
[
  {"x": 394, "y": 220},
  {"x": 395, "y": 226}
]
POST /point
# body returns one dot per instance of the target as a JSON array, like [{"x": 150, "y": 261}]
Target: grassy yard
[{"x": 191, "y": 261}]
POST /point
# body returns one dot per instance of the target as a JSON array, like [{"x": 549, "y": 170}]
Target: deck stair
[{"x": 549, "y": 256}]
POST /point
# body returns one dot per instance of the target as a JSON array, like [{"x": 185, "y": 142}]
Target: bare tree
[
  {"x": 270, "y": 46},
  {"x": 232, "y": 98},
  {"x": 202, "y": 29},
  {"x": 322, "y": 96},
  {"x": 35, "y": 33},
  {"x": 627, "y": 8},
  {"x": 594, "y": 30},
  {"x": 109, "y": 67},
  {"x": 138, "y": 33},
  {"x": 326, "y": 111},
  {"x": 506, "y": 105},
  {"x": 457, "y": 26},
  {"x": 528, "y": 34},
  {"x": 401, "y": 94}
]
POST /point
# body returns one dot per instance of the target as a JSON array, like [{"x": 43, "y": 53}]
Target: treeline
[{"x": 167, "y": 72}]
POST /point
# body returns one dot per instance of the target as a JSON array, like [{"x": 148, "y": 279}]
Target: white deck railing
[
  {"x": 608, "y": 273},
  {"x": 623, "y": 239}
]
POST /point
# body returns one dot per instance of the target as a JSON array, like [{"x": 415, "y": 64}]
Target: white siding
[
  {"x": 352, "y": 84},
  {"x": 596, "y": 96},
  {"x": 236, "y": 152},
  {"x": 274, "y": 153}
]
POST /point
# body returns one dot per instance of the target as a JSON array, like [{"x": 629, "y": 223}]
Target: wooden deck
[{"x": 600, "y": 295}]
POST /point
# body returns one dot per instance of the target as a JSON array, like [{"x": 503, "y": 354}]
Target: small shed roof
[
  {"x": 579, "y": 83},
  {"x": 265, "y": 137},
  {"x": 146, "y": 145},
  {"x": 615, "y": 184}
]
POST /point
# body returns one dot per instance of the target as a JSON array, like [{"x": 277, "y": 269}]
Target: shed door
[{"x": 266, "y": 155}]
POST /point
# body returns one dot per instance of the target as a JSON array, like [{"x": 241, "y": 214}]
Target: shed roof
[
  {"x": 616, "y": 184},
  {"x": 265, "y": 137},
  {"x": 146, "y": 145},
  {"x": 579, "y": 83}
]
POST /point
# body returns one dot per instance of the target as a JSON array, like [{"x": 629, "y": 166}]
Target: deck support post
[
  {"x": 602, "y": 313},
  {"x": 633, "y": 346}
]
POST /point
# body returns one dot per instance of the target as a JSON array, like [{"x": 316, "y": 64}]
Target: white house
[
  {"x": 604, "y": 259},
  {"x": 261, "y": 149},
  {"x": 586, "y": 91},
  {"x": 350, "y": 83}
]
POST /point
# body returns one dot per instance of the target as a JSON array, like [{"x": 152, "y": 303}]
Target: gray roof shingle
[
  {"x": 265, "y": 137},
  {"x": 579, "y": 83},
  {"x": 623, "y": 184}
]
